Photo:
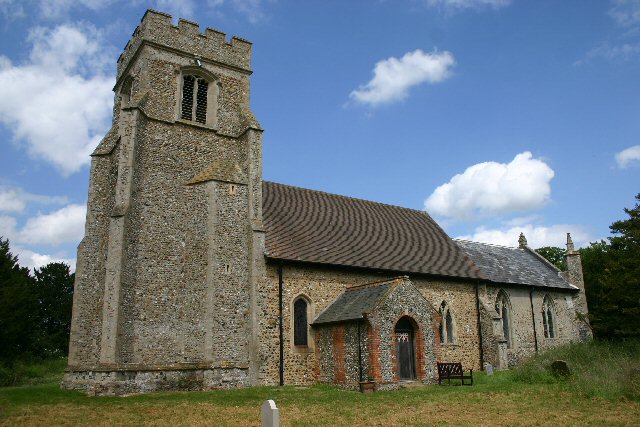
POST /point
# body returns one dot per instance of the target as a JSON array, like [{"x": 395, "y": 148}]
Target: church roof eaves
[
  {"x": 316, "y": 227},
  {"x": 355, "y": 301},
  {"x": 514, "y": 266}
]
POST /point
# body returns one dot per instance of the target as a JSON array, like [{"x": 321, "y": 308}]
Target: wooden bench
[{"x": 453, "y": 371}]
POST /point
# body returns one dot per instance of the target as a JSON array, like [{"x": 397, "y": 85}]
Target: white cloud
[
  {"x": 468, "y": 4},
  {"x": 393, "y": 77},
  {"x": 12, "y": 9},
  {"x": 58, "y": 103},
  {"x": 30, "y": 259},
  {"x": 8, "y": 227},
  {"x": 626, "y": 13},
  {"x": 252, "y": 9},
  {"x": 65, "y": 225},
  {"x": 14, "y": 199},
  {"x": 627, "y": 156},
  {"x": 537, "y": 235},
  {"x": 62, "y": 226},
  {"x": 491, "y": 187},
  {"x": 56, "y": 8},
  {"x": 11, "y": 200},
  {"x": 624, "y": 52},
  {"x": 176, "y": 8}
]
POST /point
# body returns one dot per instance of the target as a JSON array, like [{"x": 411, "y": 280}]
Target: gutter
[
  {"x": 533, "y": 320},
  {"x": 481, "y": 345},
  {"x": 280, "y": 325}
]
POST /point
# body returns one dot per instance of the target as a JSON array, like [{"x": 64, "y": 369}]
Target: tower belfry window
[{"x": 194, "y": 99}]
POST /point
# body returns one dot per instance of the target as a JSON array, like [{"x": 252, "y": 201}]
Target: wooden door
[{"x": 405, "y": 350}]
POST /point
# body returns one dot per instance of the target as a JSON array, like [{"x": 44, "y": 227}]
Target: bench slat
[{"x": 453, "y": 371}]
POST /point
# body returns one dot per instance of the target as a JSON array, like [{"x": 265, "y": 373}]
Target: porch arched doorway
[{"x": 405, "y": 349}]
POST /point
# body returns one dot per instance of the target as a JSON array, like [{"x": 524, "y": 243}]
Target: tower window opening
[
  {"x": 201, "y": 101},
  {"x": 194, "y": 87}
]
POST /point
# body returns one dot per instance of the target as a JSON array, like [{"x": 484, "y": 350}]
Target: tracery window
[
  {"x": 503, "y": 308},
  {"x": 447, "y": 325},
  {"x": 548, "y": 317},
  {"x": 300, "y": 324},
  {"x": 194, "y": 98}
]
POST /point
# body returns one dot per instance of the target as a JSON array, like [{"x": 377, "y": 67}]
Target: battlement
[{"x": 156, "y": 27}]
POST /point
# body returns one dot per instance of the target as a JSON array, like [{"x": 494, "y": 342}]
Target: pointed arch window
[
  {"x": 503, "y": 308},
  {"x": 199, "y": 91},
  {"x": 300, "y": 325},
  {"x": 548, "y": 317},
  {"x": 447, "y": 325},
  {"x": 194, "y": 98}
]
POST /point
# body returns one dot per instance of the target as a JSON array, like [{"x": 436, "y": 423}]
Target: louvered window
[
  {"x": 194, "y": 99},
  {"x": 201, "y": 101},
  {"x": 300, "y": 322}
]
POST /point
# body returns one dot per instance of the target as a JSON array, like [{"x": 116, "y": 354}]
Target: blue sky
[{"x": 498, "y": 116}]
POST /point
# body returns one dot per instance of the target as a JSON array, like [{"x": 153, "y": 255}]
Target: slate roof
[
  {"x": 354, "y": 302},
  {"x": 506, "y": 265},
  {"x": 317, "y": 227}
]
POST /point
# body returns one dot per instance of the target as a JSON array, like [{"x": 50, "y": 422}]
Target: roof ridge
[
  {"x": 376, "y": 283},
  {"x": 423, "y": 212},
  {"x": 485, "y": 244}
]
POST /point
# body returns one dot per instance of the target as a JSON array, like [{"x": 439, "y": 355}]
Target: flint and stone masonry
[{"x": 191, "y": 265}]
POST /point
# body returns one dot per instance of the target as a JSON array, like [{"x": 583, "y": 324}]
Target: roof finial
[
  {"x": 522, "y": 241},
  {"x": 570, "y": 247}
]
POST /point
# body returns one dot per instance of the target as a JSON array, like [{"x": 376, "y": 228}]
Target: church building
[{"x": 194, "y": 273}]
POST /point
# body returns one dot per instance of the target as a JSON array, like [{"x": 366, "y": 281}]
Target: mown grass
[{"x": 528, "y": 395}]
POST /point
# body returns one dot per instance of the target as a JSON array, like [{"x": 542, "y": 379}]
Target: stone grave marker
[
  {"x": 560, "y": 369},
  {"x": 488, "y": 367},
  {"x": 270, "y": 414}
]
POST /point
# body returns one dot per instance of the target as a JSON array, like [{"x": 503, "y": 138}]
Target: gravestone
[
  {"x": 488, "y": 367},
  {"x": 560, "y": 369},
  {"x": 270, "y": 414}
]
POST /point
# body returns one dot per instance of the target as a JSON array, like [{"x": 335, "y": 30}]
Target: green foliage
[
  {"x": 612, "y": 279},
  {"x": 18, "y": 306},
  {"x": 554, "y": 255},
  {"x": 31, "y": 372},
  {"x": 606, "y": 369},
  {"x": 35, "y": 312},
  {"x": 54, "y": 292}
]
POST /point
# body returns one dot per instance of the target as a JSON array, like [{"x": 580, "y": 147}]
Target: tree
[
  {"x": 554, "y": 255},
  {"x": 612, "y": 279},
  {"x": 35, "y": 312},
  {"x": 18, "y": 306},
  {"x": 54, "y": 292}
]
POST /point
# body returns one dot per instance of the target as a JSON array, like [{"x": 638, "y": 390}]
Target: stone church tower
[
  {"x": 167, "y": 271},
  {"x": 196, "y": 274}
]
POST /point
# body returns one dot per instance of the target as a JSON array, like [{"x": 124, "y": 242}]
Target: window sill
[
  {"x": 197, "y": 124},
  {"x": 302, "y": 349}
]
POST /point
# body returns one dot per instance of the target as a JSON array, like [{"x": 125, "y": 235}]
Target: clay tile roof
[
  {"x": 501, "y": 264},
  {"x": 353, "y": 303},
  {"x": 317, "y": 227}
]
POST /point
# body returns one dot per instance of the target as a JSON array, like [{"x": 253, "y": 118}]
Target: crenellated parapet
[{"x": 156, "y": 28}]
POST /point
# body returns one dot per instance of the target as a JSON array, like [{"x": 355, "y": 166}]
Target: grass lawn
[
  {"x": 604, "y": 390},
  {"x": 495, "y": 400}
]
